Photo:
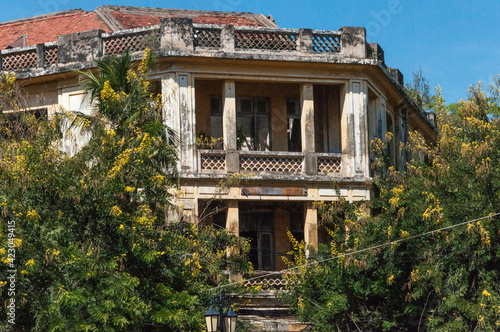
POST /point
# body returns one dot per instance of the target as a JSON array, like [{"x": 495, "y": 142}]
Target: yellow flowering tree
[
  {"x": 446, "y": 280},
  {"x": 97, "y": 245}
]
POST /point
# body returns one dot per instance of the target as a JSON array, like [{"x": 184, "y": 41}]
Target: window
[
  {"x": 252, "y": 124},
  {"x": 74, "y": 100},
  {"x": 216, "y": 116},
  {"x": 293, "y": 123}
]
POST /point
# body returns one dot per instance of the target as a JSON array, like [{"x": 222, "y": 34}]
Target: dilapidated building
[{"x": 283, "y": 112}]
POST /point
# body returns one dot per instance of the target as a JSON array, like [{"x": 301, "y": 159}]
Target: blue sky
[{"x": 456, "y": 43}]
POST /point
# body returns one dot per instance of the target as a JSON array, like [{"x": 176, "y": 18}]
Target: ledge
[{"x": 280, "y": 177}]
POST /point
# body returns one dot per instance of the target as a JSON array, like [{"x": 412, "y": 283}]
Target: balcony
[{"x": 269, "y": 163}]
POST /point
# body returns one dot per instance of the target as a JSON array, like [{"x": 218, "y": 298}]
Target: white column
[
  {"x": 187, "y": 125},
  {"x": 307, "y": 128},
  {"x": 310, "y": 225},
  {"x": 229, "y": 115},
  {"x": 355, "y": 122},
  {"x": 307, "y": 117}
]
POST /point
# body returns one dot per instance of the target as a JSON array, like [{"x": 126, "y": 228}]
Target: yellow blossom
[
  {"x": 30, "y": 263},
  {"x": 115, "y": 211},
  {"x": 390, "y": 279},
  {"x": 33, "y": 215},
  {"x": 486, "y": 293},
  {"x": 129, "y": 189},
  {"x": 108, "y": 94}
]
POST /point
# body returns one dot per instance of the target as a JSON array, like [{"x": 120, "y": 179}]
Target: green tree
[
  {"x": 96, "y": 245},
  {"x": 443, "y": 281},
  {"x": 419, "y": 91}
]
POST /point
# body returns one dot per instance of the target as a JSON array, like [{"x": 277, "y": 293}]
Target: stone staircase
[{"x": 265, "y": 312}]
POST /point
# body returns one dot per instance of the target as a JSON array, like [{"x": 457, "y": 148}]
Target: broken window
[
  {"x": 253, "y": 124},
  {"x": 216, "y": 116},
  {"x": 293, "y": 125}
]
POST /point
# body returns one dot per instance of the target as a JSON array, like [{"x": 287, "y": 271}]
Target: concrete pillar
[
  {"x": 379, "y": 53},
  {"x": 310, "y": 225},
  {"x": 170, "y": 88},
  {"x": 176, "y": 34},
  {"x": 307, "y": 128},
  {"x": 355, "y": 121},
  {"x": 232, "y": 218},
  {"x": 80, "y": 47},
  {"x": 229, "y": 126},
  {"x": 187, "y": 123},
  {"x": 40, "y": 55},
  {"x": 187, "y": 209},
  {"x": 282, "y": 245},
  {"x": 353, "y": 42},
  {"x": 227, "y": 38},
  {"x": 397, "y": 76},
  {"x": 382, "y": 118},
  {"x": 305, "y": 41},
  {"x": 363, "y": 124},
  {"x": 346, "y": 132}
]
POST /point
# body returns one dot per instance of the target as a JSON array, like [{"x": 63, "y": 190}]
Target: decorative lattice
[
  {"x": 272, "y": 41},
  {"x": 326, "y": 43},
  {"x": 330, "y": 165},
  {"x": 213, "y": 162},
  {"x": 271, "y": 164},
  {"x": 19, "y": 60},
  {"x": 137, "y": 41},
  {"x": 269, "y": 282},
  {"x": 50, "y": 55},
  {"x": 207, "y": 37}
]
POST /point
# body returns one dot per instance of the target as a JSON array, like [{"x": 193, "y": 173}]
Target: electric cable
[{"x": 352, "y": 253}]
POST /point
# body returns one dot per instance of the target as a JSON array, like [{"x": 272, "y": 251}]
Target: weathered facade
[{"x": 286, "y": 111}]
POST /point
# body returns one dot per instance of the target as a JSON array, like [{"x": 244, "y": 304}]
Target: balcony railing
[
  {"x": 268, "y": 162},
  {"x": 279, "y": 162},
  {"x": 212, "y": 161},
  {"x": 330, "y": 164}
]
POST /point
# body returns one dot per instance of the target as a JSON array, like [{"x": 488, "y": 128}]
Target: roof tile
[{"x": 47, "y": 29}]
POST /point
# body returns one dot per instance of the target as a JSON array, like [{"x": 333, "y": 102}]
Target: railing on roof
[
  {"x": 34, "y": 56},
  {"x": 249, "y": 39},
  {"x": 136, "y": 40},
  {"x": 183, "y": 37},
  {"x": 19, "y": 58}
]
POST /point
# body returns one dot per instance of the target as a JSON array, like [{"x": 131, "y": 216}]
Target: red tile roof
[
  {"x": 46, "y": 29},
  {"x": 130, "y": 21},
  {"x": 230, "y": 20}
]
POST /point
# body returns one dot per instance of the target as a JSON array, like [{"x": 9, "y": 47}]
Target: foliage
[
  {"x": 97, "y": 248},
  {"x": 442, "y": 281},
  {"x": 419, "y": 91}
]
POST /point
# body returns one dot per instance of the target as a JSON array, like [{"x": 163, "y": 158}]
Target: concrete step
[{"x": 266, "y": 312}]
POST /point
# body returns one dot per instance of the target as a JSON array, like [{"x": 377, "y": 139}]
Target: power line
[{"x": 352, "y": 253}]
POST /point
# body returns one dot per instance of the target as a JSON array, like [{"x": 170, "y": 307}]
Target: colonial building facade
[{"x": 276, "y": 115}]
